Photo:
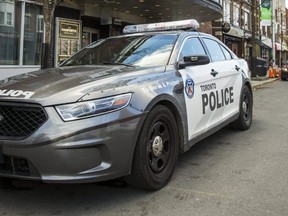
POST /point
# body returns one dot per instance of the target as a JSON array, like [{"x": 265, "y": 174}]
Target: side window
[
  {"x": 214, "y": 50},
  {"x": 226, "y": 53},
  {"x": 192, "y": 47}
]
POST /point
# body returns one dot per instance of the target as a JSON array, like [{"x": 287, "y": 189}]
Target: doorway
[{"x": 89, "y": 35}]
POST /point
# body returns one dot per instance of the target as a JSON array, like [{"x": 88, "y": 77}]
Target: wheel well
[
  {"x": 178, "y": 119},
  {"x": 250, "y": 88}
]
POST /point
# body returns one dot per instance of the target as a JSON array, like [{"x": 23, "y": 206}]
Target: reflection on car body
[{"x": 125, "y": 106}]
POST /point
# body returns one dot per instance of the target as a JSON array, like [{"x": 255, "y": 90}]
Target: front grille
[{"x": 19, "y": 121}]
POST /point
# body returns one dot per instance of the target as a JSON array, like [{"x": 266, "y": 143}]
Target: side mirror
[{"x": 193, "y": 61}]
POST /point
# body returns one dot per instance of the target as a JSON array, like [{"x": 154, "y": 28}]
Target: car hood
[{"x": 66, "y": 84}]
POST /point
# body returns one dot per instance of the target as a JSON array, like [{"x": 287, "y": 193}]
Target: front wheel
[
  {"x": 246, "y": 105},
  {"x": 156, "y": 151}
]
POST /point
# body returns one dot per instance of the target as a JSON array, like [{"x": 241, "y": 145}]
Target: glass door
[{"x": 89, "y": 35}]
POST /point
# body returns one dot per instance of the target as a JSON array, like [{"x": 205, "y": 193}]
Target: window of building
[
  {"x": 9, "y": 19},
  {"x": 27, "y": 22},
  {"x": 19, "y": 47},
  {"x": 40, "y": 23},
  {"x": 269, "y": 31},
  {"x": 227, "y": 14},
  {"x": 264, "y": 32},
  {"x": 2, "y": 18},
  {"x": 236, "y": 17},
  {"x": 247, "y": 22}
]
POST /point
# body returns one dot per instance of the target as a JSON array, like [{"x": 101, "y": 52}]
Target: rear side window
[
  {"x": 226, "y": 53},
  {"x": 214, "y": 50},
  {"x": 192, "y": 47}
]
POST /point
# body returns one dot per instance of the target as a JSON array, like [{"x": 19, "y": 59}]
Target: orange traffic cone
[
  {"x": 274, "y": 72},
  {"x": 271, "y": 75}
]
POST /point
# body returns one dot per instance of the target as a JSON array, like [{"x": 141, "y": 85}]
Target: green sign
[{"x": 266, "y": 13}]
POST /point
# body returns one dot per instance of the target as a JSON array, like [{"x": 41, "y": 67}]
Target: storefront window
[
  {"x": 18, "y": 48},
  {"x": 9, "y": 32},
  {"x": 33, "y": 36}
]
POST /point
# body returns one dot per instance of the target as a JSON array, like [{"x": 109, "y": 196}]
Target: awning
[
  {"x": 263, "y": 45},
  {"x": 278, "y": 46},
  {"x": 267, "y": 42}
]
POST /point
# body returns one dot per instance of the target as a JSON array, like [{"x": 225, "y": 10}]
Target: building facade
[
  {"x": 258, "y": 29},
  {"x": 77, "y": 23}
]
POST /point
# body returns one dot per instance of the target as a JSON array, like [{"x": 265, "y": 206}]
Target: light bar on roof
[{"x": 162, "y": 26}]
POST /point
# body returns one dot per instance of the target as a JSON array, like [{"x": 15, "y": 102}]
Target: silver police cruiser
[{"x": 125, "y": 106}]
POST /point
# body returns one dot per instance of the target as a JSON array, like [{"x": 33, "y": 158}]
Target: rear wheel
[
  {"x": 245, "y": 117},
  {"x": 5, "y": 182},
  {"x": 156, "y": 151}
]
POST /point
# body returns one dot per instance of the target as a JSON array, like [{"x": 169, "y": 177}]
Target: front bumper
[{"x": 87, "y": 150}]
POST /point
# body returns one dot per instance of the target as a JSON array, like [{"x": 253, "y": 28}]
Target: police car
[{"x": 124, "y": 106}]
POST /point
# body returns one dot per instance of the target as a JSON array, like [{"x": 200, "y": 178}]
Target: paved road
[{"x": 230, "y": 173}]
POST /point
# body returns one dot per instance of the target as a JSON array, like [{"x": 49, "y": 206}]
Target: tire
[
  {"x": 5, "y": 182},
  {"x": 245, "y": 117},
  {"x": 156, "y": 151}
]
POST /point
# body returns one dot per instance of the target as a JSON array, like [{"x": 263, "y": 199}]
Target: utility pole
[
  {"x": 253, "y": 6},
  {"x": 253, "y": 38},
  {"x": 273, "y": 31},
  {"x": 281, "y": 39}
]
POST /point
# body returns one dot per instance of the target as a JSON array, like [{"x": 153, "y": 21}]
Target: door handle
[
  {"x": 213, "y": 73},
  {"x": 237, "y": 68}
]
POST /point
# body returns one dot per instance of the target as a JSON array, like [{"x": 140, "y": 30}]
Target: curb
[{"x": 258, "y": 84}]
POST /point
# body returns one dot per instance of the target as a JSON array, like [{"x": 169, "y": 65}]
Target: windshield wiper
[{"x": 118, "y": 63}]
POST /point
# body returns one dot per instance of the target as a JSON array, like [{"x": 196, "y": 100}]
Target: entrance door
[
  {"x": 195, "y": 78},
  {"x": 89, "y": 35}
]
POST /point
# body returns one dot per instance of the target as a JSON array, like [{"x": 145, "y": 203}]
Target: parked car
[
  {"x": 284, "y": 72},
  {"x": 124, "y": 106}
]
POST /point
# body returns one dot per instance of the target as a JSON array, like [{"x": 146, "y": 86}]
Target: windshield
[{"x": 140, "y": 50}]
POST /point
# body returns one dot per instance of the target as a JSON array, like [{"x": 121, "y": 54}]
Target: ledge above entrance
[{"x": 161, "y": 10}]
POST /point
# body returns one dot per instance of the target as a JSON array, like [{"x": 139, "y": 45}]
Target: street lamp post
[{"x": 253, "y": 7}]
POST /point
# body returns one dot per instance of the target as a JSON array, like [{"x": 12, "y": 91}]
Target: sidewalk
[{"x": 258, "y": 82}]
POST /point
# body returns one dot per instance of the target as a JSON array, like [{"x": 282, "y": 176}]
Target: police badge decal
[{"x": 189, "y": 87}]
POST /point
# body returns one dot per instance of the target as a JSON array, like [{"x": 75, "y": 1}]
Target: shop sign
[
  {"x": 117, "y": 21},
  {"x": 69, "y": 29},
  {"x": 67, "y": 39}
]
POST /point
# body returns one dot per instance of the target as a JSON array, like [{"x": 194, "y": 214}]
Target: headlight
[{"x": 91, "y": 108}]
